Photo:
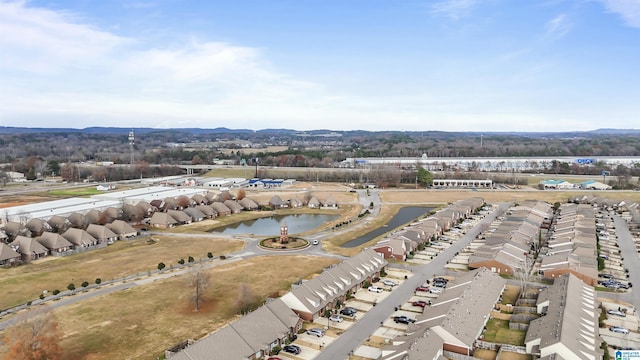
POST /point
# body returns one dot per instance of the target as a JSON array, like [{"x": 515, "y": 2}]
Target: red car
[
  {"x": 422, "y": 288},
  {"x": 419, "y": 303}
]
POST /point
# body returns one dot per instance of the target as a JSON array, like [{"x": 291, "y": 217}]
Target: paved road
[
  {"x": 631, "y": 261},
  {"x": 371, "y": 320}
]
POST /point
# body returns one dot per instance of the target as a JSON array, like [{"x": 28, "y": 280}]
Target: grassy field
[
  {"x": 498, "y": 331},
  {"x": 140, "y": 323},
  {"x": 510, "y": 294},
  {"x": 26, "y": 282},
  {"x": 73, "y": 192}
]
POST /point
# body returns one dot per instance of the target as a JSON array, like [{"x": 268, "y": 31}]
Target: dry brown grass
[
  {"x": 26, "y": 282},
  {"x": 141, "y": 322}
]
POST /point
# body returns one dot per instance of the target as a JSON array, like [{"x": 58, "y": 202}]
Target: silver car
[{"x": 315, "y": 331}]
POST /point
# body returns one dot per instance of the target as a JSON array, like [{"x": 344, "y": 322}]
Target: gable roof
[
  {"x": 79, "y": 237},
  {"x": 100, "y": 232},
  {"x": 245, "y": 336},
  {"x": 161, "y": 218},
  {"x": 120, "y": 227},
  {"x": 7, "y": 253},
  {"x": 29, "y": 246},
  {"x": 53, "y": 241}
]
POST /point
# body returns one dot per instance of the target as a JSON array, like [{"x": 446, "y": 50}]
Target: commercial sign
[{"x": 627, "y": 355}]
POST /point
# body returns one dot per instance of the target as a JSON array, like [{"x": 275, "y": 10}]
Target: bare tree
[
  {"x": 199, "y": 281},
  {"x": 35, "y": 336},
  {"x": 246, "y": 300}
]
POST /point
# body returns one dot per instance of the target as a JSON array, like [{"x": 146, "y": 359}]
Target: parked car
[
  {"x": 436, "y": 290},
  {"x": 619, "y": 329},
  {"x": 420, "y": 303},
  {"x": 616, "y": 312},
  {"x": 315, "y": 331},
  {"x": 440, "y": 284},
  {"x": 606, "y": 276},
  {"x": 422, "y": 288},
  {"x": 336, "y": 318},
  {"x": 375, "y": 289},
  {"x": 390, "y": 283},
  {"x": 348, "y": 311},
  {"x": 403, "y": 319},
  {"x": 292, "y": 349},
  {"x": 441, "y": 279}
]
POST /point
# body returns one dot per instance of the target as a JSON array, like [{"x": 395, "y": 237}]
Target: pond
[
  {"x": 270, "y": 226},
  {"x": 404, "y": 215}
]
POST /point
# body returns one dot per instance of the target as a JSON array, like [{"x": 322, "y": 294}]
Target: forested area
[{"x": 51, "y": 153}]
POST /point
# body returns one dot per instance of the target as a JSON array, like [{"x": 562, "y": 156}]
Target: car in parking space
[
  {"x": 420, "y": 303},
  {"x": 422, "y": 288},
  {"x": 315, "y": 331},
  {"x": 436, "y": 290},
  {"x": 390, "y": 282},
  {"x": 403, "y": 320},
  {"x": 616, "y": 312},
  {"x": 292, "y": 349},
  {"x": 619, "y": 329},
  {"x": 440, "y": 279},
  {"x": 336, "y": 318},
  {"x": 348, "y": 311},
  {"x": 375, "y": 289},
  {"x": 440, "y": 284},
  {"x": 606, "y": 276}
]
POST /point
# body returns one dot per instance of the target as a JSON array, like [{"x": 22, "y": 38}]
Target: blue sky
[{"x": 450, "y": 65}]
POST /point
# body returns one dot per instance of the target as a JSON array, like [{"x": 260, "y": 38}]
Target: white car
[
  {"x": 390, "y": 283},
  {"x": 316, "y": 332},
  {"x": 375, "y": 289},
  {"x": 435, "y": 290},
  {"x": 336, "y": 318},
  {"x": 619, "y": 329}
]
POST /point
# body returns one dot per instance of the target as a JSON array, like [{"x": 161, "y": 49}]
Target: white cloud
[
  {"x": 558, "y": 27},
  {"x": 629, "y": 10},
  {"x": 38, "y": 39},
  {"x": 454, "y": 9}
]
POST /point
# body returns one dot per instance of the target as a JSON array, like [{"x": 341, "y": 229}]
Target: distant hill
[{"x": 319, "y": 132}]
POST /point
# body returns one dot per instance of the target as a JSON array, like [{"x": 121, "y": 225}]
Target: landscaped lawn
[{"x": 498, "y": 332}]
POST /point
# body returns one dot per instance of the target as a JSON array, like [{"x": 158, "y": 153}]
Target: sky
[{"x": 406, "y": 65}]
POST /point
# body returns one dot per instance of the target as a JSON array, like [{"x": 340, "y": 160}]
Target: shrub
[
  {"x": 210, "y": 255},
  {"x": 181, "y": 261},
  {"x": 366, "y": 284},
  {"x": 71, "y": 287},
  {"x": 98, "y": 281},
  {"x": 85, "y": 284},
  {"x": 56, "y": 292},
  {"x": 161, "y": 266},
  {"x": 275, "y": 350},
  {"x": 190, "y": 259},
  {"x": 28, "y": 303},
  {"x": 41, "y": 296}
]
